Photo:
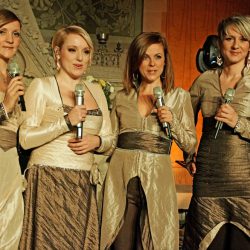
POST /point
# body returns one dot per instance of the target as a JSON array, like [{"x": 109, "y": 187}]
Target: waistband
[{"x": 144, "y": 141}]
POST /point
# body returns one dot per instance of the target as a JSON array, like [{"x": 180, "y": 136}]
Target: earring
[
  {"x": 58, "y": 66},
  {"x": 248, "y": 61},
  {"x": 136, "y": 80},
  {"x": 219, "y": 60}
]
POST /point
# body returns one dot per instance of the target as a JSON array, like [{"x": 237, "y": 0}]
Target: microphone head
[
  {"x": 79, "y": 89},
  {"x": 13, "y": 69},
  {"x": 158, "y": 93},
  {"x": 229, "y": 95}
]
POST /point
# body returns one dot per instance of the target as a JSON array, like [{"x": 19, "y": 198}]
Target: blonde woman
[{"x": 60, "y": 203}]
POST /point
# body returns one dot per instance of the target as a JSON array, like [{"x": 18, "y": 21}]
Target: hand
[
  {"x": 164, "y": 114},
  {"x": 84, "y": 145},
  {"x": 227, "y": 114},
  {"x": 14, "y": 89},
  {"x": 77, "y": 114}
]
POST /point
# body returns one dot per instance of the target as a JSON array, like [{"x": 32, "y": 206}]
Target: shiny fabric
[
  {"x": 46, "y": 130},
  {"x": 144, "y": 141},
  {"x": 68, "y": 222},
  {"x": 159, "y": 227},
  {"x": 221, "y": 188},
  {"x": 11, "y": 183}
]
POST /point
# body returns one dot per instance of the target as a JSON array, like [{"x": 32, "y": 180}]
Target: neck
[
  {"x": 147, "y": 88},
  {"x": 233, "y": 70},
  {"x": 66, "y": 81}
]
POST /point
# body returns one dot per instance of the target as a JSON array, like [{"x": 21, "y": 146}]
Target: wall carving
[{"x": 122, "y": 20}]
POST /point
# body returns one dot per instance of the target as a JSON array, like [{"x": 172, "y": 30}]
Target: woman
[
  {"x": 60, "y": 203},
  {"x": 11, "y": 187},
  {"x": 219, "y": 213},
  {"x": 140, "y": 208}
]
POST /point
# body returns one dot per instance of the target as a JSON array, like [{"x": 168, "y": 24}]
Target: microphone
[
  {"x": 79, "y": 95},
  {"x": 228, "y": 98},
  {"x": 158, "y": 94},
  {"x": 13, "y": 71}
]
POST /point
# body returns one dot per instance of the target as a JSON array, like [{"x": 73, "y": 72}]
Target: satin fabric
[
  {"x": 160, "y": 230},
  {"x": 11, "y": 184},
  {"x": 221, "y": 183},
  {"x": 46, "y": 130}
]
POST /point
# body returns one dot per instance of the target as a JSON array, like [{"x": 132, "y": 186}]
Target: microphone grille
[
  {"x": 229, "y": 95},
  {"x": 79, "y": 89},
  {"x": 13, "y": 69},
  {"x": 158, "y": 93}
]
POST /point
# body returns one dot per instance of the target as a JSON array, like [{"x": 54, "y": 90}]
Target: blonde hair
[
  {"x": 61, "y": 34},
  {"x": 241, "y": 23}
]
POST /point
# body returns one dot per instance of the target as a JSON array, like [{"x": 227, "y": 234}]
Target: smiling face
[
  {"x": 9, "y": 39},
  {"x": 234, "y": 47},
  {"x": 74, "y": 56},
  {"x": 152, "y": 64}
]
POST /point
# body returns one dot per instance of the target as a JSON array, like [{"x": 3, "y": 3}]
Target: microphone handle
[
  {"x": 160, "y": 103},
  {"x": 22, "y": 103},
  {"x": 79, "y": 126}
]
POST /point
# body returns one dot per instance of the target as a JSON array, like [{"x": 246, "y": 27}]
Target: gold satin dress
[
  {"x": 60, "y": 200},
  {"x": 159, "y": 229},
  {"x": 11, "y": 183}
]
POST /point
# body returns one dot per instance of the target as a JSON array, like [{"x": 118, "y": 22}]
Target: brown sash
[{"x": 144, "y": 141}]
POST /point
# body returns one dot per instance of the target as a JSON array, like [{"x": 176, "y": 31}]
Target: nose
[
  {"x": 79, "y": 56},
  {"x": 9, "y": 37},
  {"x": 236, "y": 43},
  {"x": 151, "y": 62}
]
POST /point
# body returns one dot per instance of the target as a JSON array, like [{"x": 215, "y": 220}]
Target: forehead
[
  {"x": 155, "y": 49},
  {"x": 14, "y": 25},
  {"x": 75, "y": 40},
  {"x": 231, "y": 29}
]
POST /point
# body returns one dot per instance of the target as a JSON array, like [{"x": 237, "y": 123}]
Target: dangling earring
[
  {"x": 248, "y": 60},
  {"x": 58, "y": 66},
  {"x": 136, "y": 80},
  {"x": 219, "y": 60}
]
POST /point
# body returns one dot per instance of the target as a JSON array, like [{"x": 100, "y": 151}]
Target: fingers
[
  {"x": 164, "y": 114},
  {"x": 227, "y": 114},
  {"x": 77, "y": 114},
  {"x": 14, "y": 89}
]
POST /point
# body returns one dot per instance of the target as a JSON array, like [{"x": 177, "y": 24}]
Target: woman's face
[
  {"x": 9, "y": 39},
  {"x": 234, "y": 47},
  {"x": 74, "y": 56},
  {"x": 152, "y": 64}
]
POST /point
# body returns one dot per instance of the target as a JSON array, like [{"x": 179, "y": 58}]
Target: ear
[{"x": 57, "y": 51}]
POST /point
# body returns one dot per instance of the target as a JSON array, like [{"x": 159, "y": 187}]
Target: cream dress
[{"x": 11, "y": 183}]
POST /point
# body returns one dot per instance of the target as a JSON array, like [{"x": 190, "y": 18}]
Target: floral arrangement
[{"x": 106, "y": 87}]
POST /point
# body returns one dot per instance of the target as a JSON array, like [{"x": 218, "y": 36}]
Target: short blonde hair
[
  {"x": 61, "y": 34},
  {"x": 241, "y": 23}
]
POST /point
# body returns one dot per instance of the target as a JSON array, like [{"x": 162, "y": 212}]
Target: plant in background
[{"x": 106, "y": 87}]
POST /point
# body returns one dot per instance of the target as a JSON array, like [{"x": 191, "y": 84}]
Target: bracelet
[
  {"x": 70, "y": 126},
  {"x": 3, "y": 114},
  {"x": 237, "y": 126}
]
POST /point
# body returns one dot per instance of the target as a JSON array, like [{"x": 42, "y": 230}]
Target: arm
[
  {"x": 35, "y": 131},
  {"x": 182, "y": 126}
]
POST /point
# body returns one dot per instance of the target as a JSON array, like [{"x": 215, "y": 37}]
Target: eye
[
  {"x": 158, "y": 56},
  {"x": 16, "y": 34},
  {"x": 71, "y": 50},
  {"x": 145, "y": 57},
  {"x": 86, "y": 52},
  {"x": 2, "y": 32}
]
